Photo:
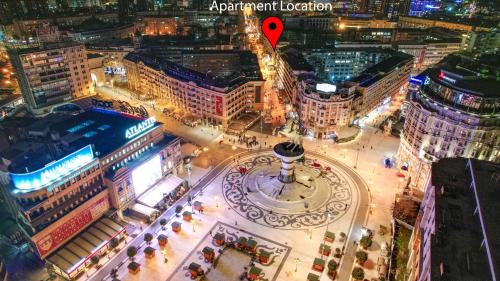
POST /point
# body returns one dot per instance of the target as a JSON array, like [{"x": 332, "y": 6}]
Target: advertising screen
[{"x": 145, "y": 175}]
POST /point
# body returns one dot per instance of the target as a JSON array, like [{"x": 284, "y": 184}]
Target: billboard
[
  {"x": 219, "y": 103},
  {"x": 146, "y": 175},
  {"x": 53, "y": 171},
  {"x": 55, "y": 238}
]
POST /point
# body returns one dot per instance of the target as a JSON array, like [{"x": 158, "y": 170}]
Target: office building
[
  {"x": 453, "y": 112},
  {"x": 455, "y": 236},
  {"x": 331, "y": 87},
  {"x": 77, "y": 174},
  {"x": 52, "y": 74},
  {"x": 481, "y": 42}
]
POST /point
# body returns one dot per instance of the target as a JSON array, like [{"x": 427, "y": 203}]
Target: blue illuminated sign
[
  {"x": 416, "y": 80},
  {"x": 140, "y": 128},
  {"x": 53, "y": 171}
]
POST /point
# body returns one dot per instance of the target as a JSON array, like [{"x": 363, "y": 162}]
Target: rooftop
[
  {"x": 457, "y": 244},
  {"x": 63, "y": 134},
  {"x": 374, "y": 73},
  {"x": 295, "y": 60},
  {"x": 477, "y": 77},
  {"x": 179, "y": 72},
  {"x": 48, "y": 46}
]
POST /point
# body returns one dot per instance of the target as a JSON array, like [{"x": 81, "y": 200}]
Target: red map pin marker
[{"x": 272, "y": 27}]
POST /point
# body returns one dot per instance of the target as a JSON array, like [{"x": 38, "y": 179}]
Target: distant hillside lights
[
  {"x": 140, "y": 128},
  {"x": 273, "y": 6}
]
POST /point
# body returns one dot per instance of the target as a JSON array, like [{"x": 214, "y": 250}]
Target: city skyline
[{"x": 160, "y": 140}]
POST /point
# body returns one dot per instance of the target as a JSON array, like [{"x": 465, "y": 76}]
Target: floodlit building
[
  {"x": 52, "y": 74},
  {"x": 344, "y": 84},
  {"x": 70, "y": 183},
  {"x": 453, "y": 112},
  {"x": 455, "y": 236},
  {"x": 214, "y": 99}
]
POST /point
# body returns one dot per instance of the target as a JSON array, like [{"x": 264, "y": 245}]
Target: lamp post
[
  {"x": 357, "y": 156},
  {"x": 234, "y": 149},
  {"x": 164, "y": 252},
  {"x": 297, "y": 261},
  {"x": 328, "y": 220}
]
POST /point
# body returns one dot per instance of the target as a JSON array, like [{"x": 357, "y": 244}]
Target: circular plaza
[{"x": 299, "y": 191}]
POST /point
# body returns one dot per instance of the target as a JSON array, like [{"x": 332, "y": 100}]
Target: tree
[
  {"x": 365, "y": 242},
  {"x": 148, "y": 237},
  {"x": 358, "y": 273},
  {"x": 332, "y": 265},
  {"x": 163, "y": 222},
  {"x": 362, "y": 257},
  {"x": 113, "y": 243},
  {"x": 131, "y": 252},
  {"x": 94, "y": 260},
  {"x": 338, "y": 252},
  {"x": 342, "y": 236}
]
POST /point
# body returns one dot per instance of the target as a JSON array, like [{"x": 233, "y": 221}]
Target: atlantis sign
[{"x": 140, "y": 128}]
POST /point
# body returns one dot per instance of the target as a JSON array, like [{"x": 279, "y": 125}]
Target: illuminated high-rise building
[
  {"x": 453, "y": 112},
  {"x": 419, "y": 8},
  {"x": 52, "y": 74}
]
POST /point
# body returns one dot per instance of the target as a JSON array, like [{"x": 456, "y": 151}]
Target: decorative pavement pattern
[
  {"x": 336, "y": 205},
  {"x": 233, "y": 263}
]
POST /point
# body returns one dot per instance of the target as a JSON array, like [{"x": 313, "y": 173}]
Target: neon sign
[
  {"x": 140, "y": 128},
  {"x": 443, "y": 76},
  {"x": 53, "y": 171}
]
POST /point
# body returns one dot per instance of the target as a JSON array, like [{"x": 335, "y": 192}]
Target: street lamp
[
  {"x": 234, "y": 149},
  {"x": 297, "y": 261},
  {"x": 328, "y": 221},
  {"x": 357, "y": 156},
  {"x": 164, "y": 252}
]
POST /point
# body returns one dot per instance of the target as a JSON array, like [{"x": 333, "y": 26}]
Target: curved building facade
[
  {"x": 322, "y": 111},
  {"x": 454, "y": 111}
]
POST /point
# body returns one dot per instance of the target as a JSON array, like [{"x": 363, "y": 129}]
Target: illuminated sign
[
  {"x": 325, "y": 87},
  {"x": 416, "y": 80},
  {"x": 444, "y": 77},
  {"x": 56, "y": 237},
  {"x": 218, "y": 106},
  {"x": 53, "y": 171},
  {"x": 146, "y": 175},
  {"x": 140, "y": 128}
]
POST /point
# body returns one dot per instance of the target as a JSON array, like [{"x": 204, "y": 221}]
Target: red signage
[
  {"x": 218, "y": 106},
  {"x": 60, "y": 234}
]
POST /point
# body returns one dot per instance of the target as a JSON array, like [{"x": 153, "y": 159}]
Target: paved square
[{"x": 233, "y": 263}]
